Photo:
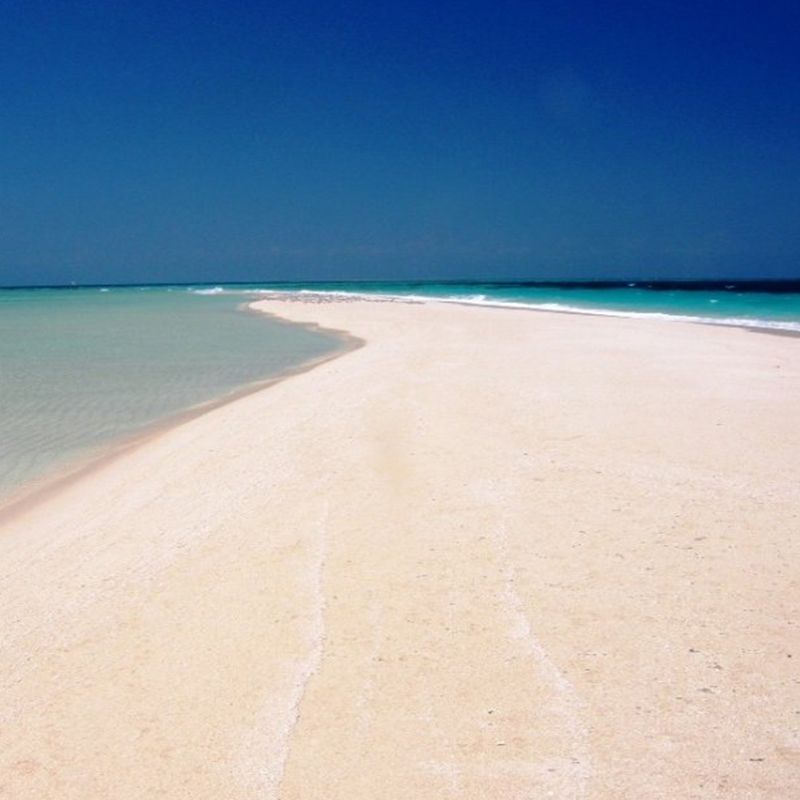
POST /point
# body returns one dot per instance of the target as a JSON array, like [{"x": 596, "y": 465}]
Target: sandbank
[{"x": 490, "y": 554}]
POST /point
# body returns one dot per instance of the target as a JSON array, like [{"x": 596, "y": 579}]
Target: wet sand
[{"x": 490, "y": 554}]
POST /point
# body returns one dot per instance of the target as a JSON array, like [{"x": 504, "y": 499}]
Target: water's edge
[
  {"x": 771, "y": 327},
  {"x": 757, "y": 306},
  {"x": 20, "y": 500}
]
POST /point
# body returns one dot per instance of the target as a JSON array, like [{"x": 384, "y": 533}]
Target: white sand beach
[{"x": 491, "y": 554}]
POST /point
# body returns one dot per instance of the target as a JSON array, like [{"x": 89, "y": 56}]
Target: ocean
[
  {"x": 82, "y": 368},
  {"x": 757, "y": 304}
]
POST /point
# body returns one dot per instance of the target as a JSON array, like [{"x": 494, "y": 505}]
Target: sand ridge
[{"x": 491, "y": 554}]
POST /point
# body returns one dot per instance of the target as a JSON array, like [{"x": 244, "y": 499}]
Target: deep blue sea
[{"x": 81, "y": 368}]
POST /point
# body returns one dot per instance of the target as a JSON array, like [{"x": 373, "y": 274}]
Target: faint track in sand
[
  {"x": 267, "y": 763},
  {"x": 567, "y": 703}
]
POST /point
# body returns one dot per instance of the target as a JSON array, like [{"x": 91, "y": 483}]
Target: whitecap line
[{"x": 484, "y": 300}]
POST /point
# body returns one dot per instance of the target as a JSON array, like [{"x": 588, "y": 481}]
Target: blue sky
[{"x": 168, "y": 141}]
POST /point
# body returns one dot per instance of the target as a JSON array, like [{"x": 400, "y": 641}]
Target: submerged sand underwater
[{"x": 83, "y": 368}]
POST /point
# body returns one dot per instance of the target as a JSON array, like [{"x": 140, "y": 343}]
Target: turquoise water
[
  {"x": 762, "y": 305},
  {"x": 80, "y": 368}
]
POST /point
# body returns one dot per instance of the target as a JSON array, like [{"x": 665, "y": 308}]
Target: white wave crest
[{"x": 214, "y": 290}]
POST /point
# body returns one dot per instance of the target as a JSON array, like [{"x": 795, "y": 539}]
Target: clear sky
[{"x": 205, "y": 140}]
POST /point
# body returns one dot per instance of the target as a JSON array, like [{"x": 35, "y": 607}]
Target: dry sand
[{"x": 491, "y": 554}]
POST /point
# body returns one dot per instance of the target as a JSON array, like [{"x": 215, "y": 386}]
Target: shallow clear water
[{"x": 80, "y": 368}]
